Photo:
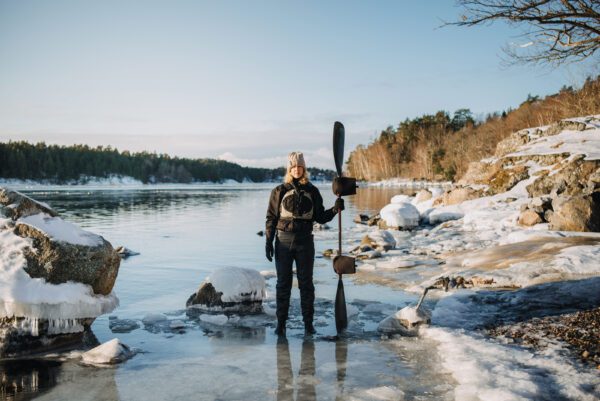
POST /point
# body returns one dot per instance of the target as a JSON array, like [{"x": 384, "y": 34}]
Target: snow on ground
[
  {"x": 62, "y": 231},
  {"x": 409, "y": 183},
  {"x": 21, "y": 295},
  {"x": 487, "y": 370},
  {"x": 585, "y": 142},
  {"x": 479, "y": 239}
]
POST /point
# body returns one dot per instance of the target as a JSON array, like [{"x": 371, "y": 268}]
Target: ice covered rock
[
  {"x": 230, "y": 289},
  {"x": 399, "y": 216},
  {"x": 406, "y": 321},
  {"x": 109, "y": 353}
]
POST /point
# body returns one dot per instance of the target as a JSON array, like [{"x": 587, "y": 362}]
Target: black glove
[
  {"x": 269, "y": 250},
  {"x": 339, "y": 205}
]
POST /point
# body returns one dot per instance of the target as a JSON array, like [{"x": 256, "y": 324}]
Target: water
[{"x": 185, "y": 232}]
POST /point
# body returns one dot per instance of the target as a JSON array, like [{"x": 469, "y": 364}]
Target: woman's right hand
[{"x": 269, "y": 251}]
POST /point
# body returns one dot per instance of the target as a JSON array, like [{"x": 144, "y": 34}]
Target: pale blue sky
[{"x": 246, "y": 80}]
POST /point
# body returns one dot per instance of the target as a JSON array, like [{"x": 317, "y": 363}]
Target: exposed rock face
[
  {"x": 458, "y": 195},
  {"x": 577, "y": 213},
  {"x": 504, "y": 179},
  {"x": 575, "y": 176},
  {"x": 230, "y": 289}
]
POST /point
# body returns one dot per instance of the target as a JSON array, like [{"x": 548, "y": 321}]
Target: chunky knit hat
[{"x": 296, "y": 159}]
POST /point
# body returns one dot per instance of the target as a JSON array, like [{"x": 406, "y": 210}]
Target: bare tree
[{"x": 557, "y": 31}]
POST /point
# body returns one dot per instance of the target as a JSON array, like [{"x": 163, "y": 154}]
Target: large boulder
[
  {"x": 55, "y": 278},
  {"x": 63, "y": 252},
  {"x": 576, "y": 213},
  {"x": 229, "y": 289}
]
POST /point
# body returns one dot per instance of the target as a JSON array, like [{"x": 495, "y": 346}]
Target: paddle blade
[
  {"x": 341, "y": 317},
  {"x": 338, "y": 146}
]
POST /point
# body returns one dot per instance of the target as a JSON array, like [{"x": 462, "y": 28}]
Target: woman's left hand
[{"x": 339, "y": 205}]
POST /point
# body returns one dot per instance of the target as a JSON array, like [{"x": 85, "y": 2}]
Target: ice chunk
[
  {"x": 218, "y": 320},
  {"x": 177, "y": 324},
  {"x": 111, "y": 352}
]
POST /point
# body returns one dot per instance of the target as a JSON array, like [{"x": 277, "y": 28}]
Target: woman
[{"x": 293, "y": 207}]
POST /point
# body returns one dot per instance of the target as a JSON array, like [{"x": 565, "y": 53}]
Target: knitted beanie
[{"x": 296, "y": 159}]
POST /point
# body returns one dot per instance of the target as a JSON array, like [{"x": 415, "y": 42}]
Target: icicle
[{"x": 61, "y": 326}]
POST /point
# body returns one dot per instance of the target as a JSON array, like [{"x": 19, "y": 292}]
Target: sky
[{"x": 247, "y": 81}]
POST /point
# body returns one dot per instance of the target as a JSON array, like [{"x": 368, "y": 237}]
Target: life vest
[{"x": 296, "y": 205}]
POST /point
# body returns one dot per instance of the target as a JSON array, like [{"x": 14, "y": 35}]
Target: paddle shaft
[{"x": 339, "y": 232}]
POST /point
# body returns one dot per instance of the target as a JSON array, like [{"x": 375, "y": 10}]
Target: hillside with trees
[
  {"x": 61, "y": 164},
  {"x": 440, "y": 146}
]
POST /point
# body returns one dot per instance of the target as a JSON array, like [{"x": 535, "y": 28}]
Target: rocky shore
[{"x": 579, "y": 331}]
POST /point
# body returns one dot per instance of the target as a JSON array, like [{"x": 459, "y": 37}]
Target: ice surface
[
  {"x": 486, "y": 370},
  {"x": 21, "y": 295},
  {"x": 238, "y": 284},
  {"x": 383, "y": 393},
  {"x": 154, "y": 318}
]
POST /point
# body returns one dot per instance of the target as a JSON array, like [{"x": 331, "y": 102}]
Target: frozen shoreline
[{"x": 513, "y": 273}]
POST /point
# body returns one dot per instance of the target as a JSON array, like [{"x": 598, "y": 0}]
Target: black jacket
[{"x": 275, "y": 222}]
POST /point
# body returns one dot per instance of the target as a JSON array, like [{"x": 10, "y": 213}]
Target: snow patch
[{"x": 62, "y": 231}]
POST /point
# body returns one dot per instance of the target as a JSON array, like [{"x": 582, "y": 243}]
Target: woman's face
[{"x": 297, "y": 171}]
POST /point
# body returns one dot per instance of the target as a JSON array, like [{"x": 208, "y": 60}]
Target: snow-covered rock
[
  {"x": 55, "y": 278},
  {"x": 109, "y": 353},
  {"x": 400, "y": 215},
  {"x": 231, "y": 289},
  {"x": 406, "y": 321}
]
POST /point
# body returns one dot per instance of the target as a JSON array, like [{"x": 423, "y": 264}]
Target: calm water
[{"x": 183, "y": 233}]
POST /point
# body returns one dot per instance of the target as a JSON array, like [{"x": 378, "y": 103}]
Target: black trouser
[{"x": 290, "y": 247}]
